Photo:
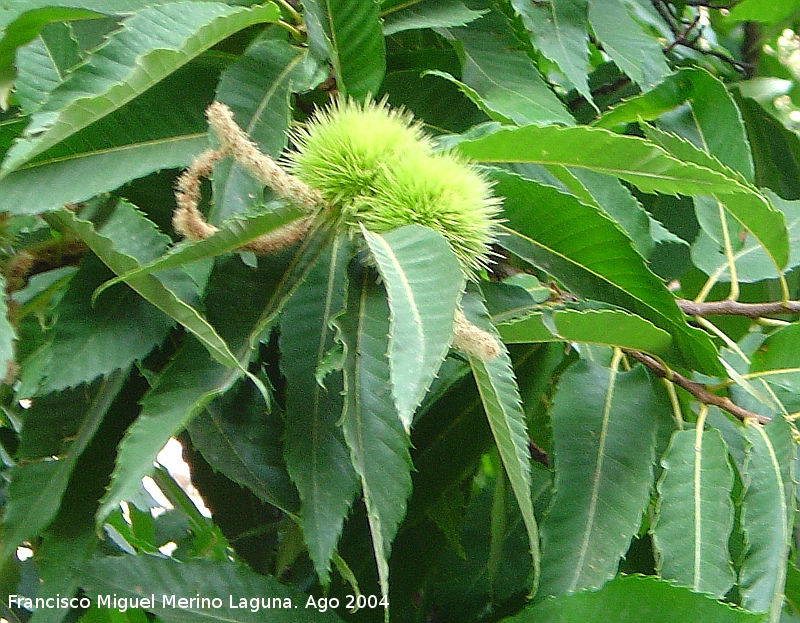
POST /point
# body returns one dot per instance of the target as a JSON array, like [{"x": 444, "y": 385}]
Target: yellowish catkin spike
[
  {"x": 472, "y": 340},
  {"x": 187, "y": 220},
  {"x": 233, "y": 140}
]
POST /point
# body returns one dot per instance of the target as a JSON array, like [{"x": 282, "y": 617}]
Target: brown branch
[
  {"x": 735, "y": 308},
  {"x": 680, "y": 31},
  {"x": 698, "y": 390}
]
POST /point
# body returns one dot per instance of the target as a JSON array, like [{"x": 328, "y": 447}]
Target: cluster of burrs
[{"x": 366, "y": 165}]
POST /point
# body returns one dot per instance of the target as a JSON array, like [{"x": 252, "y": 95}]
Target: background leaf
[
  {"x": 604, "y": 425},
  {"x": 119, "y": 144},
  {"x": 598, "y": 264},
  {"x": 244, "y": 310},
  {"x": 632, "y": 600},
  {"x": 624, "y": 40},
  {"x": 108, "y": 243},
  {"x": 695, "y": 513},
  {"x": 639, "y": 162},
  {"x": 44, "y": 63},
  {"x": 354, "y": 42},
  {"x": 399, "y": 16},
  {"x": 118, "y": 330},
  {"x": 767, "y": 515},
  {"x": 134, "y": 59},
  {"x": 239, "y": 438},
  {"x": 38, "y": 486},
  {"x": 559, "y": 31},
  {"x": 257, "y": 88},
  {"x": 141, "y": 576},
  {"x": 504, "y": 78}
]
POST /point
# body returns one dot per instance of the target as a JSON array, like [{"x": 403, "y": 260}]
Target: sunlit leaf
[
  {"x": 422, "y": 306},
  {"x": 642, "y": 163},
  {"x": 606, "y": 326},
  {"x": 425, "y": 14}
]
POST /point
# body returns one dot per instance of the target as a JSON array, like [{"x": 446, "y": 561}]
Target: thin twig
[
  {"x": 698, "y": 390},
  {"x": 680, "y": 30},
  {"x": 735, "y": 308}
]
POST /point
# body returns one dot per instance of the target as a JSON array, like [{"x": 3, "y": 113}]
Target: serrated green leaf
[
  {"x": 107, "y": 242},
  {"x": 161, "y": 129},
  {"x": 764, "y": 11},
  {"x": 559, "y": 30},
  {"x": 98, "y": 339},
  {"x": 639, "y": 55},
  {"x": 503, "y": 81},
  {"x": 752, "y": 262},
  {"x": 611, "y": 196},
  {"x": 232, "y": 234},
  {"x": 603, "y": 326},
  {"x": 422, "y": 306},
  {"x": 8, "y": 333},
  {"x": 776, "y": 149},
  {"x": 642, "y": 163},
  {"x": 588, "y": 252},
  {"x": 683, "y": 149},
  {"x": 694, "y": 517},
  {"x": 180, "y": 392},
  {"x": 778, "y": 359},
  {"x": 627, "y": 157},
  {"x": 495, "y": 564},
  {"x": 315, "y": 451},
  {"x": 243, "y": 304},
  {"x": 257, "y": 88},
  {"x": 372, "y": 428},
  {"x": 501, "y": 402},
  {"x": 237, "y": 437},
  {"x": 767, "y": 516},
  {"x": 426, "y": 14},
  {"x": 604, "y": 426},
  {"x": 638, "y": 161},
  {"x": 22, "y": 23},
  {"x": 152, "y": 44},
  {"x": 719, "y": 123},
  {"x": 767, "y": 226},
  {"x": 354, "y": 41},
  {"x": 717, "y": 120},
  {"x": 43, "y": 64},
  {"x": 166, "y": 578},
  {"x": 666, "y": 96},
  {"x": 634, "y": 599},
  {"x": 36, "y": 488}
]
